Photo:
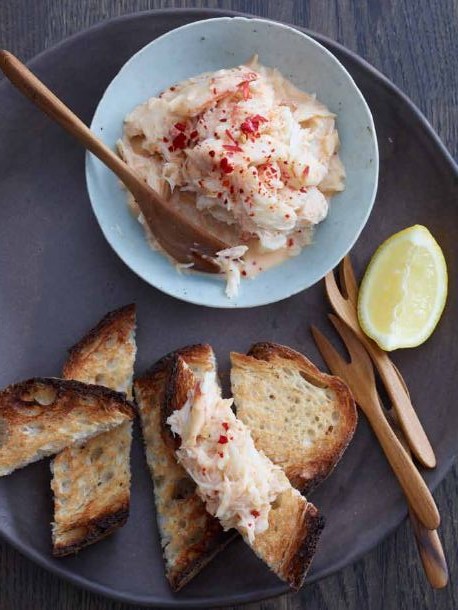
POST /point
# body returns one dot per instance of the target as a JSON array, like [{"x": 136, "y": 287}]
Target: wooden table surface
[{"x": 416, "y": 45}]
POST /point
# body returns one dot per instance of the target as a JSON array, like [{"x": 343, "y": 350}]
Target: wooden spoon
[{"x": 182, "y": 239}]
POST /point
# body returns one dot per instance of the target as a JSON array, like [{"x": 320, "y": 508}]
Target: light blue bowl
[{"x": 223, "y": 43}]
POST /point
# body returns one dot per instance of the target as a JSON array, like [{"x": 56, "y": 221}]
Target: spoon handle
[{"x": 23, "y": 79}]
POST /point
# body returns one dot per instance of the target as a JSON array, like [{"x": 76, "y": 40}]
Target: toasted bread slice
[
  {"x": 301, "y": 418},
  {"x": 106, "y": 355},
  {"x": 190, "y": 536},
  {"x": 40, "y": 417},
  {"x": 294, "y": 525},
  {"x": 91, "y": 483}
]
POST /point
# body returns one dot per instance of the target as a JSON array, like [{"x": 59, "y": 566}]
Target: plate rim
[{"x": 44, "y": 561}]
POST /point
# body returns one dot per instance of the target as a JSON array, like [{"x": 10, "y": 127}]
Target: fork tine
[
  {"x": 342, "y": 283},
  {"x": 333, "y": 359},
  {"x": 354, "y": 346},
  {"x": 333, "y": 293},
  {"x": 347, "y": 278}
]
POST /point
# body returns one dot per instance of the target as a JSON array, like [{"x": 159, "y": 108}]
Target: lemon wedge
[{"x": 404, "y": 289}]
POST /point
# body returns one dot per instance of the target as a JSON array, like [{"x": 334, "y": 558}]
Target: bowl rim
[{"x": 193, "y": 297}]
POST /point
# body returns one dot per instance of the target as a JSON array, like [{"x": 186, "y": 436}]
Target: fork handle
[
  {"x": 431, "y": 552},
  {"x": 428, "y": 542},
  {"x": 415, "y": 489},
  {"x": 408, "y": 419}
]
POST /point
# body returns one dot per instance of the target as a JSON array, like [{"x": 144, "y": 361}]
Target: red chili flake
[
  {"x": 287, "y": 216},
  {"x": 194, "y": 134},
  {"x": 255, "y": 513},
  {"x": 179, "y": 142},
  {"x": 214, "y": 90},
  {"x": 165, "y": 139},
  {"x": 219, "y": 195},
  {"x": 243, "y": 272},
  {"x": 230, "y": 136},
  {"x": 170, "y": 148},
  {"x": 212, "y": 153},
  {"x": 223, "y": 120},
  {"x": 231, "y": 190},
  {"x": 232, "y": 148},
  {"x": 225, "y": 166},
  {"x": 172, "y": 88},
  {"x": 236, "y": 147},
  {"x": 245, "y": 87},
  {"x": 305, "y": 171},
  {"x": 222, "y": 439},
  {"x": 290, "y": 242},
  {"x": 180, "y": 126},
  {"x": 303, "y": 189},
  {"x": 241, "y": 191},
  {"x": 251, "y": 124},
  {"x": 220, "y": 454},
  {"x": 225, "y": 425},
  {"x": 204, "y": 470}
]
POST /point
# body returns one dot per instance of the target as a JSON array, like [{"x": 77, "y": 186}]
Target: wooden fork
[
  {"x": 344, "y": 306},
  {"x": 428, "y": 542},
  {"x": 359, "y": 375}
]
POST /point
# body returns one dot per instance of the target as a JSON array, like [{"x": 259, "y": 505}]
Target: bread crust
[
  {"x": 90, "y": 531},
  {"x": 21, "y": 395},
  {"x": 305, "y": 476},
  {"x": 178, "y": 385},
  {"x": 304, "y": 547}
]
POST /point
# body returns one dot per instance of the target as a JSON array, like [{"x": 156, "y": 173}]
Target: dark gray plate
[{"x": 58, "y": 276}]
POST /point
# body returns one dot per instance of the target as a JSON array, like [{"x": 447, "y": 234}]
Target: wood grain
[{"x": 416, "y": 45}]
